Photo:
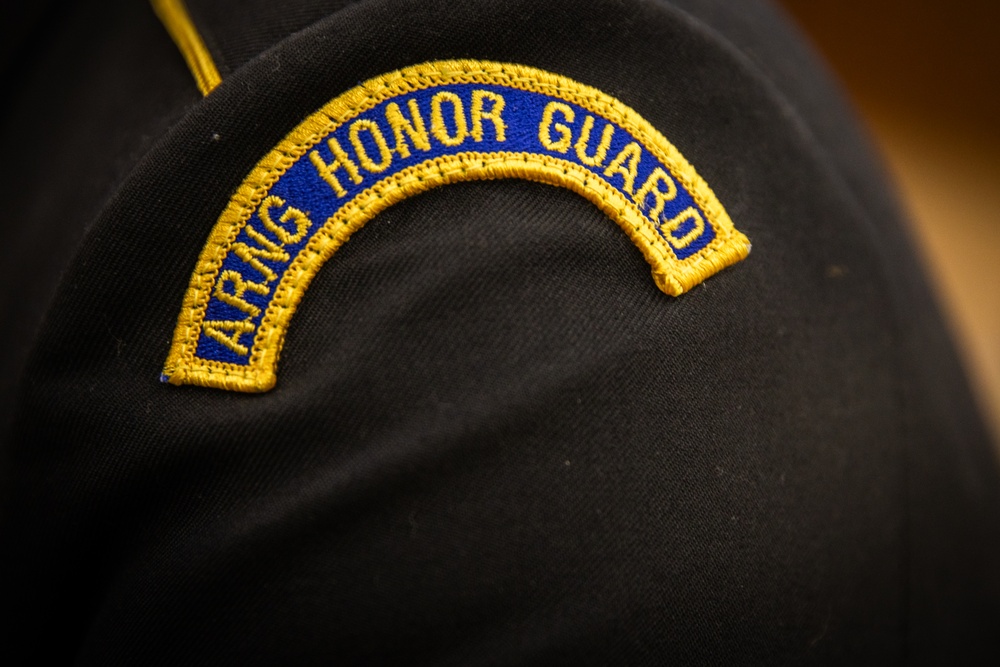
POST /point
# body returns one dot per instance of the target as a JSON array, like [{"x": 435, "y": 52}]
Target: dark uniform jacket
[{"x": 492, "y": 438}]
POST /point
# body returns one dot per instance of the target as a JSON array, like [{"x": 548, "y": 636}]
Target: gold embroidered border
[{"x": 672, "y": 276}]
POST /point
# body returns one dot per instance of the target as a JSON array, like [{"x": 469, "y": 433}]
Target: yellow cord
[{"x": 174, "y": 16}]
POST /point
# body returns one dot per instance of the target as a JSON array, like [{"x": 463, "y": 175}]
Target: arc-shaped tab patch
[{"x": 404, "y": 133}]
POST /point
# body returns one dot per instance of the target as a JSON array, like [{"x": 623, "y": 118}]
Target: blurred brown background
[{"x": 925, "y": 76}]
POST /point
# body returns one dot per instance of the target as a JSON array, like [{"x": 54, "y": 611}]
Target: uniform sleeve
[{"x": 492, "y": 438}]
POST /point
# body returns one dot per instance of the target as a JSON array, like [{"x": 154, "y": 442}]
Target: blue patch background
[{"x": 303, "y": 188}]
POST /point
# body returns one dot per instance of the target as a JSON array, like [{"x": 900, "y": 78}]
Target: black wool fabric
[{"x": 493, "y": 441}]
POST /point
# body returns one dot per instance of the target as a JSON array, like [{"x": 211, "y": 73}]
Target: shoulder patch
[{"x": 404, "y": 133}]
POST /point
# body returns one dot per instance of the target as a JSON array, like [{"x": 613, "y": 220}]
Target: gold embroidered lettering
[
  {"x": 340, "y": 159},
  {"x": 661, "y": 197},
  {"x": 438, "y": 127},
  {"x": 240, "y": 286},
  {"x": 545, "y": 127},
  {"x": 269, "y": 250},
  {"x": 301, "y": 220},
  {"x": 362, "y": 125},
  {"x": 626, "y": 165},
  {"x": 478, "y": 115},
  {"x": 413, "y": 128},
  {"x": 215, "y": 330},
  {"x": 602, "y": 148},
  {"x": 671, "y": 225}
]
